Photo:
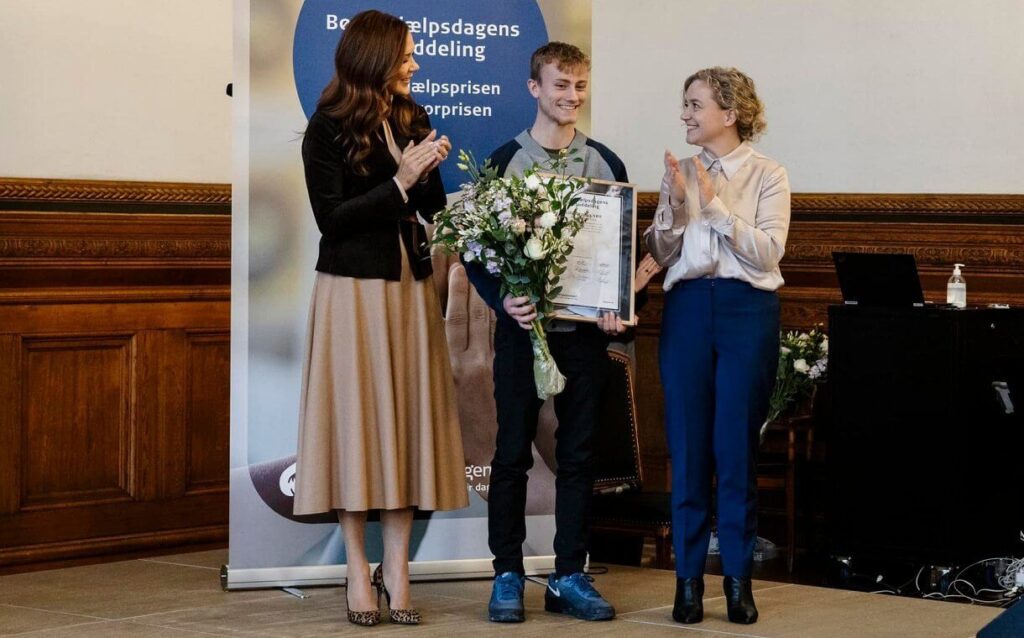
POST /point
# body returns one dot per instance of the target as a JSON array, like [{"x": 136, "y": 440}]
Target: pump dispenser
[{"x": 956, "y": 288}]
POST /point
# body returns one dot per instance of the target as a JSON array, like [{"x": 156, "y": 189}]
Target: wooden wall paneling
[
  {"x": 10, "y": 424},
  {"x": 160, "y": 408},
  {"x": 130, "y": 282},
  {"x": 63, "y": 533},
  {"x": 107, "y": 291},
  {"x": 75, "y": 439},
  {"x": 207, "y": 415}
]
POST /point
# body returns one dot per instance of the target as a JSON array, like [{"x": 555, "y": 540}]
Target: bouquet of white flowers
[
  {"x": 803, "y": 359},
  {"x": 521, "y": 229}
]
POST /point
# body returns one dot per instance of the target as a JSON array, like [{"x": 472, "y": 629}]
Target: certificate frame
[{"x": 586, "y": 286}]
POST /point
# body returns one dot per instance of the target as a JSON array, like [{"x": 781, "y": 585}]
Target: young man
[{"x": 559, "y": 77}]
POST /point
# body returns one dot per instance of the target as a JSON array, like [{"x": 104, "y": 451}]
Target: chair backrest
[{"x": 616, "y": 448}]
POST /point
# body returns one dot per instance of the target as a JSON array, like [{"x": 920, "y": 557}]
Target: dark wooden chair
[
  {"x": 787, "y": 445},
  {"x": 620, "y": 506}
]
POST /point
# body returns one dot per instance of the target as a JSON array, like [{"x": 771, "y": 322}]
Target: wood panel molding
[
  {"x": 120, "y": 544},
  {"x": 85, "y": 237},
  {"x": 69, "y": 194},
  {"x": 950, "y": 207}
]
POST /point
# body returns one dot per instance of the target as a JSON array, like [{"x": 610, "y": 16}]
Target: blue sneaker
[
  {"x": 506, "y": 604},
  {"x": 574, "y": 595}
]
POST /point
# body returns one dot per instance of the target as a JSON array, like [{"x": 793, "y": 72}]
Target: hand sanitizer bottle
[{"x": 956, "y": 289}]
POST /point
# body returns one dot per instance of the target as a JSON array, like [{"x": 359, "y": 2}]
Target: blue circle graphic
[{"x": 474, "y": 61}]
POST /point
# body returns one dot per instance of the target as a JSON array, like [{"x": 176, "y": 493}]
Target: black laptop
[{"x": 878, "y": 279}]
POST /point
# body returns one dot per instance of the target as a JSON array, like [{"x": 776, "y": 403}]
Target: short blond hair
[
  {"x": 733, "y": 89},
  {"x": 567, "y": 57}
]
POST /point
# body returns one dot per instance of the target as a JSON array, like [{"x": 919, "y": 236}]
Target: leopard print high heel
[
  {"x": 362, "y": 618},
  {"x": 397, "y": 616}
]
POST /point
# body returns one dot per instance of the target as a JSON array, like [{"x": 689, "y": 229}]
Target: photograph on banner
[
  {"x": 598, "y": 274},
  {"x": 474, "y": 64}
]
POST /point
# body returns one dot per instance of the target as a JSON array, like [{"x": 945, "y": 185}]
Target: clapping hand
[
  {"x": 419, "y": 159},
  {"x": 705, "y": 185},
  {"x": 444, "y": 147},
  {"x": 674, "y": 179}
]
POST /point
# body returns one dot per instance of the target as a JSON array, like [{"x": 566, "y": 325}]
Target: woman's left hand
[
  {"x": 705, "y": 185},
  {"x": 648, "y": 268},
  {"x": 444, "y": 147}
]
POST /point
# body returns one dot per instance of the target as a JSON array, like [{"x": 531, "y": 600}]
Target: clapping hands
[
  {"x": 419, "y": 159},
  {"x": 675, "y": 182}
]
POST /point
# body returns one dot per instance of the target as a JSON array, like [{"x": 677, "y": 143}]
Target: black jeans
[{"x": 582, "y": 358}]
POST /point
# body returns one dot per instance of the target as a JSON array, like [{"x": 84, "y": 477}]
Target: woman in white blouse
[{"x": 720, "y": 230}]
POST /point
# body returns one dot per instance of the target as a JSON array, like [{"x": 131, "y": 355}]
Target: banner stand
[{"x": 473, "y": 85}]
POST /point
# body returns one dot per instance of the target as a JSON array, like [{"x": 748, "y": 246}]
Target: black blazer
[{"x": 360, "y": 217}]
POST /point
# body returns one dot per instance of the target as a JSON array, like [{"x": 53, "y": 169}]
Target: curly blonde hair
[{"x": 733, "y": 89}]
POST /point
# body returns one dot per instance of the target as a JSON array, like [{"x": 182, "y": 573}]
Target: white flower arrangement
[
  {"x": 521, "y": 229},
  {"x": 803, "y": 360}
]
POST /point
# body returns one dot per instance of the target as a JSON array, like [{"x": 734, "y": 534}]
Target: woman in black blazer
[{"x": 378, "y": 420}]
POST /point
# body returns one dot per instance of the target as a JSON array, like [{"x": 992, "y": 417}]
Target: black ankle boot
[
  {"x": 739, "y": 600},
  {"x": 689, "y": 605}
]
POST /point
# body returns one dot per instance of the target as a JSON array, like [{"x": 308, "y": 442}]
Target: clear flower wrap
[{"x": 548, "y": 378}]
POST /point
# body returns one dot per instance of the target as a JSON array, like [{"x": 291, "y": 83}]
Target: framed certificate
[{"x": 599, "y": 272}]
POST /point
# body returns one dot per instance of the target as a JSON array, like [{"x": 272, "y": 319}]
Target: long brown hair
[{"x": 366, "y": 63}]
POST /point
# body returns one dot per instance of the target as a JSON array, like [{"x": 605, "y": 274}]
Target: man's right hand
[{"x": 521, "y": 310}]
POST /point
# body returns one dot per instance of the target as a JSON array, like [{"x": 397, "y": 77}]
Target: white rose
[
  {"x": 801, "y": 366},
  {"x": 519, "y": 226},
  {"x": 534, "y": 249},
  {"x": 824, "y": 345},
  {"x": 532, "y": 182},
  {"x": 547, "y": 220}
]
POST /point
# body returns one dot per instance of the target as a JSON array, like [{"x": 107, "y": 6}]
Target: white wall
[
  {"x": 861, "y": 95},
  {"x": 115, "y": 89}
]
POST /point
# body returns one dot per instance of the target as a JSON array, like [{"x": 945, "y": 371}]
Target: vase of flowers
[
  {"x": 803, "y": 361},
  {"x": 521, "y": 228}
]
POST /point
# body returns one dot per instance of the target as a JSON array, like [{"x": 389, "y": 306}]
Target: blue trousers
[{"x": 719, "y": 353}]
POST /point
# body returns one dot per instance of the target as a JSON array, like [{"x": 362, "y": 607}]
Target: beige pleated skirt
[{"x": 378, "y": 421}]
